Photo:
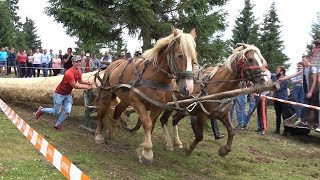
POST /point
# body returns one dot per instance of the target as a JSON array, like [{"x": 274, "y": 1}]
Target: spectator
[
  {"x": 261, "y": 104},
  {"x": 281, "y": 108},
  {"x": 240, "y": 104},
  {"x": 30, "y": 63},
  {"x": 105, "y": 60},
  {"x": 87, "y": 64},
  {"x": 12, "y": 62},
  {"x": 128, "y": 56},
  {"x": 36, "y": 63},
  {"x": 22, "y": 64},
  {"x": 50, "y": 63},
  {"x": 252, "y": 105},
  {"x": 298, "y": 94},
  {"x": 62, "y": 96},
  {"x": 3, "y": 61},
  {"x": 67, "y": 60},
  {"x": 95, "y": 62},
  {"x": 45, "y": 60},
  {"x": 56, "y": 65},
  {"x": 62, "y": 62}
]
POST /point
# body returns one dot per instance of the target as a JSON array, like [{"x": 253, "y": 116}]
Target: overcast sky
[{"x": 295, "y": 17}]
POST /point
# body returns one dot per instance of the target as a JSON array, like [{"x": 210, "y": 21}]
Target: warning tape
[
  {"x": 69, "y": 170},
  {"x": 291, "y": 102}
]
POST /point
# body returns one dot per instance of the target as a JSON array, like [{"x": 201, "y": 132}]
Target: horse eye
[
  {"x": 180, "y": 55},
  {"x": 250, "y": 59}
]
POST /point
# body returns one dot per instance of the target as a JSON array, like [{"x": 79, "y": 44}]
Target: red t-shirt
[
  {"x": 71, "y": 75},
  {"x": 22, "y": 58}
]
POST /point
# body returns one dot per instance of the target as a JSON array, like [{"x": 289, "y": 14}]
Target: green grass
[{"x": 252, "y": 157}]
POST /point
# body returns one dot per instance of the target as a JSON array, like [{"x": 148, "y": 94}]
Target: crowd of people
[
  {"x": 306, "y": 82},
  {"x": 30, "y": 64}
]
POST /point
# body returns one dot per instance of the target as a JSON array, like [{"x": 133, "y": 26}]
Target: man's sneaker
[
  {"x": 58, "y": 127},
  {"x": 302, "y": 125},
  {"x": 318, "y": 129},
  {"x": 38, "y": 113}
]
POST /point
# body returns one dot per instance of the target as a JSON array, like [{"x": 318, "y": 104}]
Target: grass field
[{"x": 252, "y": 157}]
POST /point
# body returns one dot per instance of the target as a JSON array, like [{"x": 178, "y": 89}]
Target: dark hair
[
  {"x": 283, "y": 69},
  {"x": 301, "y": 63}
]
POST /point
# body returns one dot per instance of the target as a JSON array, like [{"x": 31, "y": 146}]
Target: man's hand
[{"x": 309, "y": 94}]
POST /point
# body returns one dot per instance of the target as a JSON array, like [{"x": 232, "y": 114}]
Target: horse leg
[
  {"x": 145, "y": 152},
  {"x": 176, "y": 119},
  {"x": 164, "y": 122},
  {"x": 119, "y": 109},
  {"x": 197, "y": 123},
  {"x": 103, "y": 107},
  {"x": 224, "y": 150}
]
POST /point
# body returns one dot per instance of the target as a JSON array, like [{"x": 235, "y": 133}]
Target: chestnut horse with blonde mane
[
  {"x": 145, "y": 84},
  {"x": 245, "y": 64}
]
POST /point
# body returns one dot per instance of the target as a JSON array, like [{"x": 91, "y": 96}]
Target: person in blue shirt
[
  {"x": 282, "y": 93},
  {"x": 3, "y": 61}
]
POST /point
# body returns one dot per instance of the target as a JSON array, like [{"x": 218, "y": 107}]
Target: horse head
[
  {"x": 250, "y": 64},
  {"x": 174, "y": 56},
  {"x": 182, "y": 56}
]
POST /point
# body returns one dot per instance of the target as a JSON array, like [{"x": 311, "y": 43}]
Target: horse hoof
[
  {"x": 223, "y": 151},
  {"x": 188, "y": 150},
  {"x": 179, "y": 146},
  {"x": 143, "y": 160},
  {"x": 99, "y": 139}
]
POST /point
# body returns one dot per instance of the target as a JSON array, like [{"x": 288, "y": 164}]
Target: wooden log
[
  {"x": 228, "y": 94},
  {"x": 39, "y": 89}
]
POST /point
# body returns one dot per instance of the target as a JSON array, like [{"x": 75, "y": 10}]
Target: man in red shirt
[{"x": 62, "y": 95}]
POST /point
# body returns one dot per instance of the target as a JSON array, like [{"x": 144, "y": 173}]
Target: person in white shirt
[{"x": 36, "y": 65}]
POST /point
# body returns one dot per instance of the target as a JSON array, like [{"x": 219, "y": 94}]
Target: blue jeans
[
  {"x": 298, "y": 96},
  {"x": 45, "y": 69},
  {"x": 240, "y": 108},
  {"x": 58, "y": 101},
  {"x": 252, "y": 105}
]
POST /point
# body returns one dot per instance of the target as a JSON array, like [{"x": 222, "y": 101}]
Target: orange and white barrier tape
[
  {"x": 291, "y": 102},
  {"x": 69, "y": 170}
]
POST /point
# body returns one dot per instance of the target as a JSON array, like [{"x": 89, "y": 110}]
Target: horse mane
[
  {"x": 240, "y": 52},
  {"x": 187, "y": 44}
]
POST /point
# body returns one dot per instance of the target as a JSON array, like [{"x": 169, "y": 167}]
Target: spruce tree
[
  {"x": 246, "y": 30},
  {"x": 31, "y": 37},
  {"x": 315, "y": 35},
  {"x": 7, "y": 29},
  {"x": 271, "y": 45}
]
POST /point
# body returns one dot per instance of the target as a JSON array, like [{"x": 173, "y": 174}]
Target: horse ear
[
  {"x": 174, "y": 31},
  {"x": 193, "y": 33}
]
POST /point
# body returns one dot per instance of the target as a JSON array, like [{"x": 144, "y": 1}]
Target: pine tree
[
  {"x": 315, "y": 35},
  {"x": 31, "y": 37},
  {"x": 245, "y": 29},
  {"x": 7, "y": 29},
  {"x": 271, "y": 45}
]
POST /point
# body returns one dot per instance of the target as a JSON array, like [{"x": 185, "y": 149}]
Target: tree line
[
  {"x": 14, "y": 33},
  {"x": 99, "y": 24}
]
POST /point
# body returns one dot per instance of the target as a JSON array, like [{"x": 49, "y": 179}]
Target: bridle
[
  {"x": 245, "y": 72},
  {"x": 175, "y": 74}
]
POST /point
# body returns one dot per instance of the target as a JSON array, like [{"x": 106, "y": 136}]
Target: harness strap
[
  {"x": 120, "y": 77},
  {"x": 153, "y": 84}
]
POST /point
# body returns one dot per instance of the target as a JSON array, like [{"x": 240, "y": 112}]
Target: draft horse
[
  {"x": 245, "y": 64},
  {"x": 145, "y": 84}
]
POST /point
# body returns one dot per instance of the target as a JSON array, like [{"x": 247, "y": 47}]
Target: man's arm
[
  {"x": 77, "y": 85},
  {"x": 290, "y": 76},
  {"x": 314, "y": 83},
  {"x": 67, "y": 59}
]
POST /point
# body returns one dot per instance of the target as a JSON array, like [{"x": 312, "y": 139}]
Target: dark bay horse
[
  {"x": 145, "y": 84},
  {"x": 245, "y": 64}
]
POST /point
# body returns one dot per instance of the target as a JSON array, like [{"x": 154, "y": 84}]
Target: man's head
[
  {"x": 69, "y": 50},
  {"x": 60, "y": 51},
  {"x": 306, "y": 60},
  {"x": 106, "y": 54},
  {"x": 76, "y": 61},
  {"x": 2, "y": 49},
  {"x": 45, "y": 51},
  {"x": 37, "y": 50},
  {"x": 87, "y": 55},
  {"x": 281, "y": 70}
]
